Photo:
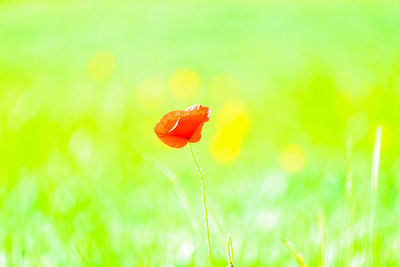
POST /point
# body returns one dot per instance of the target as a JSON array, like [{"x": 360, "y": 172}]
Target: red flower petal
[
  {"x": 196, "y": 135},
  {"x": 173, "y": 141},
  {"x": 178, "y": 127}
]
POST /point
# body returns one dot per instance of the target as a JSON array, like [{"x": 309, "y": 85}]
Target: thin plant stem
[
  {"x": 204, "y": 201},
  {"x": 297, "y": 256},
  {"x": 231, "y": 257}
]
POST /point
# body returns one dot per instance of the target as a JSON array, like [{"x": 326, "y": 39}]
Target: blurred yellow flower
[
  {"x": 234, "y": 118},
  {"x": 225, "y": 147},
  {"x": 101, "y": 65},
  {"x": 184, "y": 83},
  {"x": 149, "y": 94},
  {"x": 292, "y": 158},
  {"x": 233, "y": 121}
]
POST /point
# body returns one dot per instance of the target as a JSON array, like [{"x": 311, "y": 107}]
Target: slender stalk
[
  {"x": 297, "y": 256},
  {"x": 231, "y": 258},
  {"x": 204, "y": 201}
]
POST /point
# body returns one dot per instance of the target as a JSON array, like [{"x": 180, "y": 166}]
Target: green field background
[{"x": 297, "y": 91}]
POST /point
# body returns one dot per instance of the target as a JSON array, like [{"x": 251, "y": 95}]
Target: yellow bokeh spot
[
  {"x": 234, "y": 119},
  {"x": 184, "y": 83},
  {"x": 101, "y": 65},
  {"x": 225, "y": 147},
  {"x": 292, "y": 158},
  {"x": 149, "y": 94},
  {"x": 233, "y": 122}
]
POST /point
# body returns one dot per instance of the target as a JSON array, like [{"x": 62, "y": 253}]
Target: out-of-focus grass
[{"x": 82, "y": 85}]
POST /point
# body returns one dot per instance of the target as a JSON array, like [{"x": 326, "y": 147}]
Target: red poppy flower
[{"x": 179, "y": 127}]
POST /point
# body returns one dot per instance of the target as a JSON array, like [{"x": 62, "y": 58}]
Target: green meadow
[{"x": 300, "y": 156}]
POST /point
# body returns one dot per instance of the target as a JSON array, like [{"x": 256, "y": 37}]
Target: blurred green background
[{"x": 297, "y": 90}]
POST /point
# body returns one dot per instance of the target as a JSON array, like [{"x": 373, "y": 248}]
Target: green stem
[
  {"x": 231, "y": 257},
  {"x": 204, "y": 201}
]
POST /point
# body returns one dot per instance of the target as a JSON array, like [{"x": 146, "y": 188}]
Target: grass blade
[
  {"x": 229, "y": 246},
  {"x": 296, "y": 255}
]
